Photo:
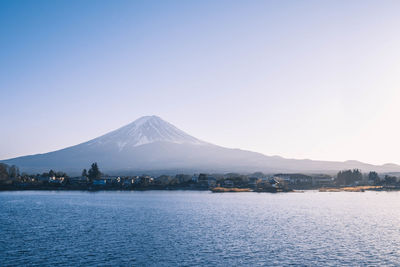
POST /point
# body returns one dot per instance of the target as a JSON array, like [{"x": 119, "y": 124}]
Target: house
[
  {"x": 274, "y": 181},
  {"x": 266, "y": 178},
  {"x": 100, "y": 182},
  {"x": 137, "y": 181},
  {"x": 202, "y": 180},
  {"x": 56, "y": 180},
  {"x": 146, "y": 180},
  {"x": 228, "y": 183},
  {"x": 295, "y": 179},
  {"x": 128, "y": 182},
  {"x": 266, "y": 186},
  {"x": 322, "y": 180},
  {"x": 212, "y": 181},
  {"x": 195, "y": 178},
  {"x": 283, "y": 177},
  {"x": 112, "y": 180},
  {"x": 301, "y": 179},
  {"x": 42, "y": 179},
  {"x": 81, "y": 180}
]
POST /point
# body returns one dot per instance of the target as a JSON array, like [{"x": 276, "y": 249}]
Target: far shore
[{"x": 4, "y": 188}]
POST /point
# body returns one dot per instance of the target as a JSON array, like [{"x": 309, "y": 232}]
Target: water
[{"x": 188, "y": 228}]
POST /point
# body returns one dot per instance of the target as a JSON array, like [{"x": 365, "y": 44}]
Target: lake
[{"x": 192, "y": 228}]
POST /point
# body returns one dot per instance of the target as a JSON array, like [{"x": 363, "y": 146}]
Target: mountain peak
[
  {"x": 145, "y": 119},
  {"x": 145, "y": 130}
]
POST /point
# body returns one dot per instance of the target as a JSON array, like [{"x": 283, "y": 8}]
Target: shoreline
[{"x": 213, "y": 190}]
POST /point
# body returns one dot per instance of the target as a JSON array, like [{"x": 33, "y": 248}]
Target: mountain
[{"x": 152, "y": 145}]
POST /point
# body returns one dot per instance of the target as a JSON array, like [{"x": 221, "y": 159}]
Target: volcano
[{"x": 152, "y": 145}]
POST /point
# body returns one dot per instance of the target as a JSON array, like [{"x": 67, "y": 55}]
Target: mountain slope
[
  {"x": 145, "y": 130},
  {"x": 151, "y": 144}
]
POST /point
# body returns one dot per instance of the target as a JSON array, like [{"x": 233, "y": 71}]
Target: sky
[{"x": 299, "y": 79}]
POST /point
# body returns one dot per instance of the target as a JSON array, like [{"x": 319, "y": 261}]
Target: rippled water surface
[{"x": 170, "y": 228}]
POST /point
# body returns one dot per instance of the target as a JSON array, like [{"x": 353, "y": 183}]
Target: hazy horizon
[{"x": 298, "y": 79}]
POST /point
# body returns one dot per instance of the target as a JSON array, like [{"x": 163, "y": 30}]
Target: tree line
[
  {"x": 352, "y": 177},
  {"x": 344, "y": 177},
  {"x": 8, "y": 172}
]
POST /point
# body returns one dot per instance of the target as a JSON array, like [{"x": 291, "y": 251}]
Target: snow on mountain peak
[
  {"x": 142, "y": 120},
  {"x": 145, "y": 130}
]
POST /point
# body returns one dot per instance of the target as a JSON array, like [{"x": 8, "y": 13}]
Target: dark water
[{"x": 161, "y": 228}]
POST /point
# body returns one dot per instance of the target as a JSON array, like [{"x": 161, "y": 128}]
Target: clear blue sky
[{"x": 300, "y": 79}]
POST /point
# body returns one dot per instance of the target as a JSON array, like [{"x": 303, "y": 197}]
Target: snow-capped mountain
[
  {"x": 145, "y": 130},
  {"x": 151, "y": 144}
]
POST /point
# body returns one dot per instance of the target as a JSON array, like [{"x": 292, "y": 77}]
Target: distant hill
[{"x": 153, "y": 145}]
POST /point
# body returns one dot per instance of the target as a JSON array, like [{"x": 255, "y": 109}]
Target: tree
[
  {"x": 348, "y": 177},
  {"x": 94, "y": 172},
  {"x": 3, "y": 171},
  {"x": 182, "y": 178},
  {"x": 25, "y": 177},
  {"x": 390, "y": 180},
  {"x": 13, "y": 172},
  {"x": 52, "y": 173},
  {"x": 373, "y": 176},
  {"x": 84, "y": 173},
  {"x": 61, "y": 174}
]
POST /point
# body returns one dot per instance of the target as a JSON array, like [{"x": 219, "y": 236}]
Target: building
[
  {"x": 56, "y": 180},
  {"x": 127, "y": 182},
  {"x": 81, "y": 180},
  {"x": 212, "y": 181},
  {"x": 295, "y": 179},
  {"x": 43, "y": 179},
  {"x": 202, "y": 180},
  {"x": 322, "y": 180},
  {"x": 228, "y": 183},
  {"x": 146, "y": 180},
  {"x": 195, "y": 178},
  {"x": 100, "y": 182}
]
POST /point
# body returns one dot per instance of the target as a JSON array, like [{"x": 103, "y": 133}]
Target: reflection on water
[{"x": 199, "y": 228}]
